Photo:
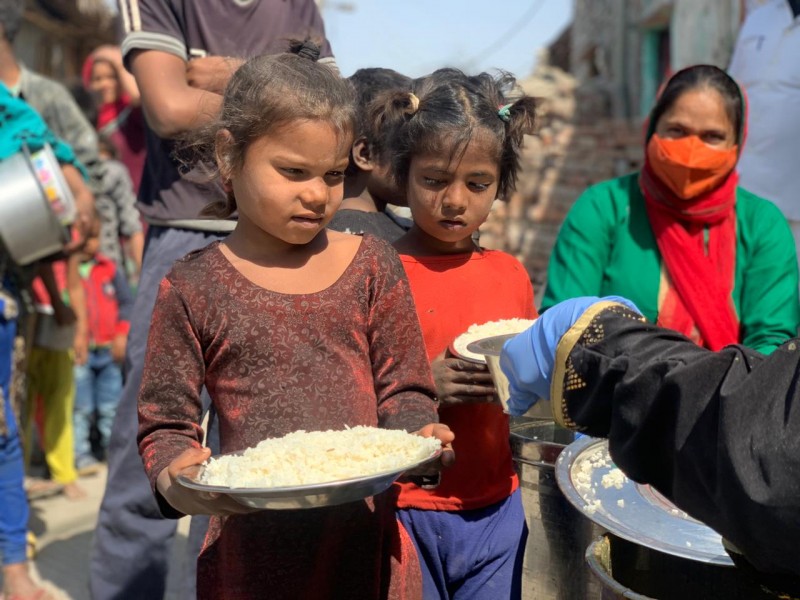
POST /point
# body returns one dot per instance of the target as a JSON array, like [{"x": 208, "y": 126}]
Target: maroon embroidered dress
[{"x": 274, "y": 363}]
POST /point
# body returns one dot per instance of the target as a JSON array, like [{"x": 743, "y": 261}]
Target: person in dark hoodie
[{"x": 718, "y": 433}]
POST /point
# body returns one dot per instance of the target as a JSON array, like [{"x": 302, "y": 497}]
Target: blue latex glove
[{"x": 528, "y": 359}]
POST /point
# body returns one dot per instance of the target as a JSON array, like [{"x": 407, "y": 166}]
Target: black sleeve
[{"x": 716, "y": 432}]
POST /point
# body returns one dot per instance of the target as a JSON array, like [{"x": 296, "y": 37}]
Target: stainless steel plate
[
  {"x": 459, "y": 349},
  {"x": 490, "y": 346},
  {"x": 470, "y": 347},
  {"x": 635, "y": 512},
  {"x": 304, "y": 496}
]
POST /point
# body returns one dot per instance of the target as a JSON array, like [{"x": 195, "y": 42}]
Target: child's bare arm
[
  {"x": 122, "y": 291},
  {"x": 63, "y": 314},
  {"x": 77, "y": 300},
  {"x": 192, "y": 502},
  {"x": 84, "y": 204},
  {"x": 136, "y": 250},
  {"x": 460, "y": 381}
]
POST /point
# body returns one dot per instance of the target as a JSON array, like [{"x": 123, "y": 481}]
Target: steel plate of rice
[
  {"x": 313, "y": 457},
  {"x": 489, "y": 329}
]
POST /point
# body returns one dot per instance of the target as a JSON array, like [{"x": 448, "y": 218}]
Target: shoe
[{"x": 87, "y": 466}]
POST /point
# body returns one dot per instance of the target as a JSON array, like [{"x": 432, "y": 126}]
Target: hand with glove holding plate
[{"x": 528, "y": 359}]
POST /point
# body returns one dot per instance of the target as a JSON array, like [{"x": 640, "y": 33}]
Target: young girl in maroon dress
[{"x": 289, "y": 326}]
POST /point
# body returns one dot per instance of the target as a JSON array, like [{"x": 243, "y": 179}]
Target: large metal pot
[
  {"x": 554, "y": 567},
  {"x": 636, "y": 572},
  {"x": 36, "y": 206}
]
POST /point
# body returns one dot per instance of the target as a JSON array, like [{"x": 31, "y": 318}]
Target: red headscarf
[{"x": 697, "y": 241}]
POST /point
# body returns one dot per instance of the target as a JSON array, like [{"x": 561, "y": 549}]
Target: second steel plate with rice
[
  {"x": 460, "y": 346},
  {"x": 635, "y": 512}
]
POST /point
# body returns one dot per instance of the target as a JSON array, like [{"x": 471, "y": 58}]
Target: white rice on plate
[
  {"x": 311, "y": 457},
  {"x": 481, "y": 331}
]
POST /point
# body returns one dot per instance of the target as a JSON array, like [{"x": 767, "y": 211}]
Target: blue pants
[
  {"x": 98, "y": 385},
  {"x": 14, "y": 511},
  {"x": 472, "y": 554},
  {"x": 130, "y": 552}
]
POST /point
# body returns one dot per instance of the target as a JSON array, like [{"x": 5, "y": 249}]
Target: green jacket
[{"x": 606, "y": 247}]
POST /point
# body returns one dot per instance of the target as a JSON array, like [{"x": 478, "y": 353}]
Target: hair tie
[
  {"x": 413, "y": 104},
  {"x": 309, "y": 50},
  {"x": 505, "y": 112}
]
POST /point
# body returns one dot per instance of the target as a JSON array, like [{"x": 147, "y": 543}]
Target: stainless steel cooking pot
[
  {"x": 554, "y": 567},
  {"x": 36, "y": 205},
  {"x": 635, "y": 572}
]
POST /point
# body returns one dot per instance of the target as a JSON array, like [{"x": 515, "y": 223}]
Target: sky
[{"x": 416, "y": 37}]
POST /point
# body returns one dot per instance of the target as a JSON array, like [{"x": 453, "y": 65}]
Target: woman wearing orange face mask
[{"x": 695, "y": 252}]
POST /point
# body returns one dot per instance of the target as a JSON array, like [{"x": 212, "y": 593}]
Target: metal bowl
[
  {"x": 36, "y": 205},
  {"x": 49, "y": 334},
  {"x": 490, "y": 348},
  {"x": 304, "y": 496},
  {"x": 538, "y": 442}
]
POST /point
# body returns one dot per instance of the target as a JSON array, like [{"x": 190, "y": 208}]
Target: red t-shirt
[{"x": 451, "y": 293}]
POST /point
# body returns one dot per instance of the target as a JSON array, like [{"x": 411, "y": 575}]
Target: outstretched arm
[{"x": 716, "y": 432}]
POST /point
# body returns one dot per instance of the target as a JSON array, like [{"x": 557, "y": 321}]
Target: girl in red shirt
[{"x": 455, "y": 142}]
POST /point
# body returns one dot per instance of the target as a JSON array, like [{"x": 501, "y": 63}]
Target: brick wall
[{"x": 558, "y": 165}]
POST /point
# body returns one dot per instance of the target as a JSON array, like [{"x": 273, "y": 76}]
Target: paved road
[{"x": 64, "y": 530}]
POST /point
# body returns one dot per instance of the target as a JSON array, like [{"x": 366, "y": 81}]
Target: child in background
[
  {"x": 289, "y": 326},
  {"x": 117, "y": 102},
  {"x": 98, "y": 381},
  {"x": 119, "y": 218},
  {"x": 369, "y": 186},
  {"x": 58, "y": 344},
  {"x": 455, "y": 147}
]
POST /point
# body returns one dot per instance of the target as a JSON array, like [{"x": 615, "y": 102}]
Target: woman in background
[
  {"x": 695, "y": 252},
  {"x": 119, "y": 115}
]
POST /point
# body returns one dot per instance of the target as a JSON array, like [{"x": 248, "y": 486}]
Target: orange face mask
[{"x": 688, "y": 166}]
